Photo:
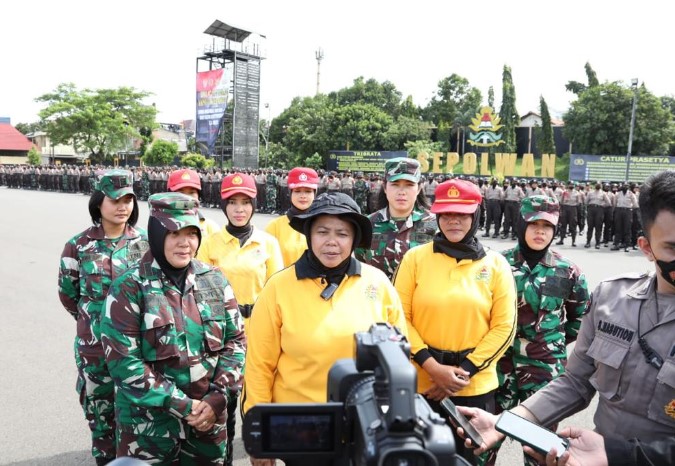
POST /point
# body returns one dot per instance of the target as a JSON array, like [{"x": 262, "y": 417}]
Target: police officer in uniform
[
  {"x": 512, "y": 197},
  {"x": 625, "y": 351},
  {"x": 494, "y": 196},
  {"x": 568, "y": 218},
  {"x": 624, "y": 203},
  {"x": 595, "y": 202}
]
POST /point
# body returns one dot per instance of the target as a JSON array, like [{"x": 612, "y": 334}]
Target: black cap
[{"x": 340, "y": 204}]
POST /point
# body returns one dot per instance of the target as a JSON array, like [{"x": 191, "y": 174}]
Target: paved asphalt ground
[{"x": 41, "y": 421}]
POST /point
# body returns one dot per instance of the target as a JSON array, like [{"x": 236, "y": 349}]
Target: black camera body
[{"x": 373, "y": 415}]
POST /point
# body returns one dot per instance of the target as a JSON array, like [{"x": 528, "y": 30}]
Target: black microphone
[
  {"x": 653, "y": 358},
  {"x": 328, "y": 292}
]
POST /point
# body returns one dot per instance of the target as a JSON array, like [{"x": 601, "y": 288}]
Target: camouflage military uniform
[
  {"x": 391, "y": 238},
  {"x": 271, "y": 193},
  {"x": 89, "y": 263},
  {"x": 552, "y": 298},
  {"x": 361, "y": 193},
  {"x": 166, "y": 349}
]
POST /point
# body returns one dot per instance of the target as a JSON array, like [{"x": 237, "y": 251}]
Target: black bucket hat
[{"x": 342, "y": 205}]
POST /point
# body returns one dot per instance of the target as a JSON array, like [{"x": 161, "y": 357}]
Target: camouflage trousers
[
  {"x": 517, "y": 382},
  {"x": 97, "y": 398},
  {"x": 197, "y": 449}
]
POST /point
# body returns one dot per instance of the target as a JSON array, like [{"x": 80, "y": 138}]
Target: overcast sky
[{"x": 152, "y": 45}]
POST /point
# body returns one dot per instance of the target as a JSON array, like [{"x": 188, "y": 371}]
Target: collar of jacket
[
  {"x": 303, "y": 270},
  {"x": 548, "y": 260},
  {"x": 416, "y": 215},
  {"x": 644, "y": 288},
  {"x": 97, "y": 232},
  {"x": 148, "y": 268}
]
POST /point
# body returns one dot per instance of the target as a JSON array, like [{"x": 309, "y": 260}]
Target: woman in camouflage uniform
[
  {"x": 552, "y": 298},
  {"x": 90, "y": 262},
  {"x": 174, "y": 342},
  {"x": 402, "y": 220}
]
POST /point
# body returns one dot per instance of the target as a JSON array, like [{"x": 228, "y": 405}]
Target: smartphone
[
  {"x": 458, "y": 420},
  {"x": 528, "y": 433}
]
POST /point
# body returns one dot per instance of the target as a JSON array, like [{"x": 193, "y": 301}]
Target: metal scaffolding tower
[{"x": 238, "y": 51}]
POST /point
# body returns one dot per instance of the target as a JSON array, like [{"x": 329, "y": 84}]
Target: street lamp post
[{"x": 634, "y": 85}]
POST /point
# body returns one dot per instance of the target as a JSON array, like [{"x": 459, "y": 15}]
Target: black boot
[
  {"x": 587, "y": 245},
  {"x": 103, "y": 460}
]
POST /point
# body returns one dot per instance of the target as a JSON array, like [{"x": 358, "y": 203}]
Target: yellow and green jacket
[{"x": 455, "y": 305}]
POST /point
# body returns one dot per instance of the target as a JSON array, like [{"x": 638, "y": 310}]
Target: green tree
[
  {"x": 508, "y": 113},
  {"x": 406, "y": 129},
  {"x": 383, "y": 96},
  {"x": 598, "y": 122},
  {"x": 304, "y": 128},
  {"x": 99, "y": 122},
  {"x": 360, "y": 127},
  {"x": 451, "y": 109},
  {"x": 161, "y": 153},
  {"x": 545, "y": 139},
  {"x": 314, "y": 161},
  {"x": 577, "y": 88},
  {"x": 34, "y": 156},
  {"x": 195, "y": 160},
  {"x": 27, "y": 128},
  {"x": 491, "y": 97},
  {"x": 668, "y": 102}
]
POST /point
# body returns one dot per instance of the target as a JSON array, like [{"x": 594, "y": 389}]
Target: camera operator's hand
[
  {"x": 447, "y": 379},
  {"x": 484, "y": 423},
  {"x": 262, "y": 461},
  {"x": 586, "y": 447},
  {"x": 202, "y": 417}
]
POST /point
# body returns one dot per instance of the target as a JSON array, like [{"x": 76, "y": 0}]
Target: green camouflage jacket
[
  {"x": 89, "y": 264},
  {"x": 165, "y": 349},
  {"x": 552, "y": 298},
  {"x": 392, "y": 239}
]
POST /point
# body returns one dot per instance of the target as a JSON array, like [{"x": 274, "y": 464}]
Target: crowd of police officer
[{"x": 607, "y": 212}]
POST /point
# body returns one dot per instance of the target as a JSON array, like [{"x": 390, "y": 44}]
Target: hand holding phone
[
  {"x": 458, "y": 420},
  {"x": 528, "y": 433}
]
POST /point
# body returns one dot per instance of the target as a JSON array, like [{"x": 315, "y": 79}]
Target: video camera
[{"x": 373, "y": 415}]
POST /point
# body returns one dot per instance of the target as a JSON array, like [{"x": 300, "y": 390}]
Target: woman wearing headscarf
[
  {"x": 247, "y": 256},
  {"x": 307, "y": 314},
  {"x": 90, "y": 261},
  {"x": 460, "y": 305},
  {"x": 403, "y": 220},
  {"x": 302, "y": 184},
  {"x": 552, "y": 298},
  {"x": 174, "y": 342}
]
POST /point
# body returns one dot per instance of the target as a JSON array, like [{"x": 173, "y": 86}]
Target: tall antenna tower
[{"x": 319, "y": 56}]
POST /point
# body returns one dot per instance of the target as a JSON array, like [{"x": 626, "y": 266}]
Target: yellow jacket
[
  {"x": 295, "y": 336},
  {"x": 292, "y": 243},
  {"x": 247, "y": 268},
  {"x": 455, "y": 306}
]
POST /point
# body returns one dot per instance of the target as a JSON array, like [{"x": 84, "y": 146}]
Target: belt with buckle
[{"x": 449, "y": 358}]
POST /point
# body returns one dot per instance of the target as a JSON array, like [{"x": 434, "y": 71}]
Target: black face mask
[
  {"x": 623, "y": 190},
  {"x": 667, "y": 270}
]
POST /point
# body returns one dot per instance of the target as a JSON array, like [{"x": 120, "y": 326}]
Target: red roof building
[{"x": 12, "y": 139}]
